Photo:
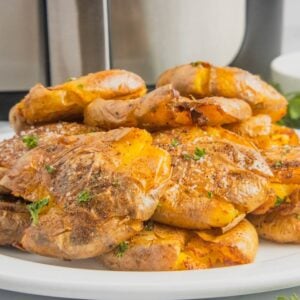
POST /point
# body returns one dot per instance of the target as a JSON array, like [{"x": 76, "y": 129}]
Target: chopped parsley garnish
[
  {"x": 175, "y": 142},
  {"x": 199, "y": 153},
  {"x": 279, "y": 201},
  {"x": 196, "y": 63},
  {"x": 298, "y": 217},
  {"x": 31, "y": 141},
  {"x": 83, "y": 196},
  {"x": 187, "y": 156},
  {"x": 121, "y": 249},
  {"x": 210, "y": 194},
  {"x": 149, "y": 225},
  {"x": 278, "y": 164},
  {"x": 115, "y": 183},
  {"x": 50, "y": 169},
  {"x": 292, "y": 297},
  {"x": 80, "y": 86},
  {"x": 35, "y": 208}
]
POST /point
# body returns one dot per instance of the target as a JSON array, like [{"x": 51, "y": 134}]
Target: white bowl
[{"x": 285, "y": 71}]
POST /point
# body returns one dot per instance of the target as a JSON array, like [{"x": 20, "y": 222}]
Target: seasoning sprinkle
[{"x": 149, "y": 225}]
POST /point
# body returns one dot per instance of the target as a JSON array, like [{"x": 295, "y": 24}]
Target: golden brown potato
[
  {"x": 12, "y": 149},
  {"x": 163, "y": 248},
  {"x": 14, "y": 219},
  {"x": 282, "y": 223},
  {"x": 66, "y": 102},
  {"x": 202, "y": 79},
  {"x": 164, "y": 108},
  {"x": 214, "y": 181},
  {"x": 285, "y": 163},
  {"x": 90, "y": 192},
  {"x": 260, "y": 125},
  {"x": 261, "y": 132}
]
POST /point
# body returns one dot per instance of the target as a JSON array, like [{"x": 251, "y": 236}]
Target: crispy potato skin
[
  {"x": 14, "y": 219},
  {"x": 285, "y": 163},
  {"x": 261, "y": 132},
  {"x": 202, "y": 79},
  {"x": 214, "y": 190},
  {"x": 167, "y": 248},
  {"x": 282, "y": 223},
  {"x": 12, "y": 149},
  {"x": 66, "y": 102},
  {"x": 123, "y": 174},
  {"x": 164, "y": 108}
]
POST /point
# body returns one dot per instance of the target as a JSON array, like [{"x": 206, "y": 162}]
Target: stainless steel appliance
[{"x": 50, "y": 40}]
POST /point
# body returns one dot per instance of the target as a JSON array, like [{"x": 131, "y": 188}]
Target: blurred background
[{"x": 48, "y": 41}]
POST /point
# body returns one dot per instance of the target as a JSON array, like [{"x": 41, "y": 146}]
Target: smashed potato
[
  {"x": 201, "y": 79},
  {"x": 65, "y": 102},
  {"x": 165, "y": 108},
  {"x": 164, "y": 248}
]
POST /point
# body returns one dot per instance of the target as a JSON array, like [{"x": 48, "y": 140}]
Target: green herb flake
[
  {"x": 35, "y": 208},
  {"x": 298, "y": 217},
  {"x": 80, "y": 86},
  {"x": 149, "y": 225},
  {"x": 121, "y": 249},
  {"x": 278, "y": 164},
  {"x": 196, "y": 63},
  {"x": 83, "y": 196},
  {"x": 175, "y": 142},
  {"x": 31, "y": 141},
  {"x": 115, "y": 183},
  {"x": 187, "y": 156},
  {"x": 210, "y": 194},
  {"x": 279, "y": 201},
  {"x": 199, "y": 153},
  {"x": 292, "y": 297},
  {"x": 50, "y": 169}
]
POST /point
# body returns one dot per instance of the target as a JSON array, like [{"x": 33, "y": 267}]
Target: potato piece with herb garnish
[
  {"x": 214, "y": 183},
  {"x": 281, "y": 224},
  {"x": 104, "y": 185},
  {"x": 12, "y": 149},
  {"x": 65, "y": 102},
  {"x": 285, "y": 163},
  {"x": 201, "y": 79},
  {"x": 164, "y": 248}
]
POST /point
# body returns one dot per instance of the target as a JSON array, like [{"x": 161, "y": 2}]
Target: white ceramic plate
[{"x": 276, "y": 267}]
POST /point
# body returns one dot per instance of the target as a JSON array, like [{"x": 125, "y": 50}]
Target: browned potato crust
[
  {"x": 66, "y": 102},
  {"x": 103, "y": 186},
  {"x": 12, "y": 149},
  {"x": 285, "y": 163},
  {"x": 261, "y": 132},
  {"x": 164, "y": 248},
  {"x": 282, "y": 223},
  {"x": 14, "y": 219},
  {"x": 164, "y": 108},
  {"x": 213, "y": 190},
  {"x": 202, "y": 79}
]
